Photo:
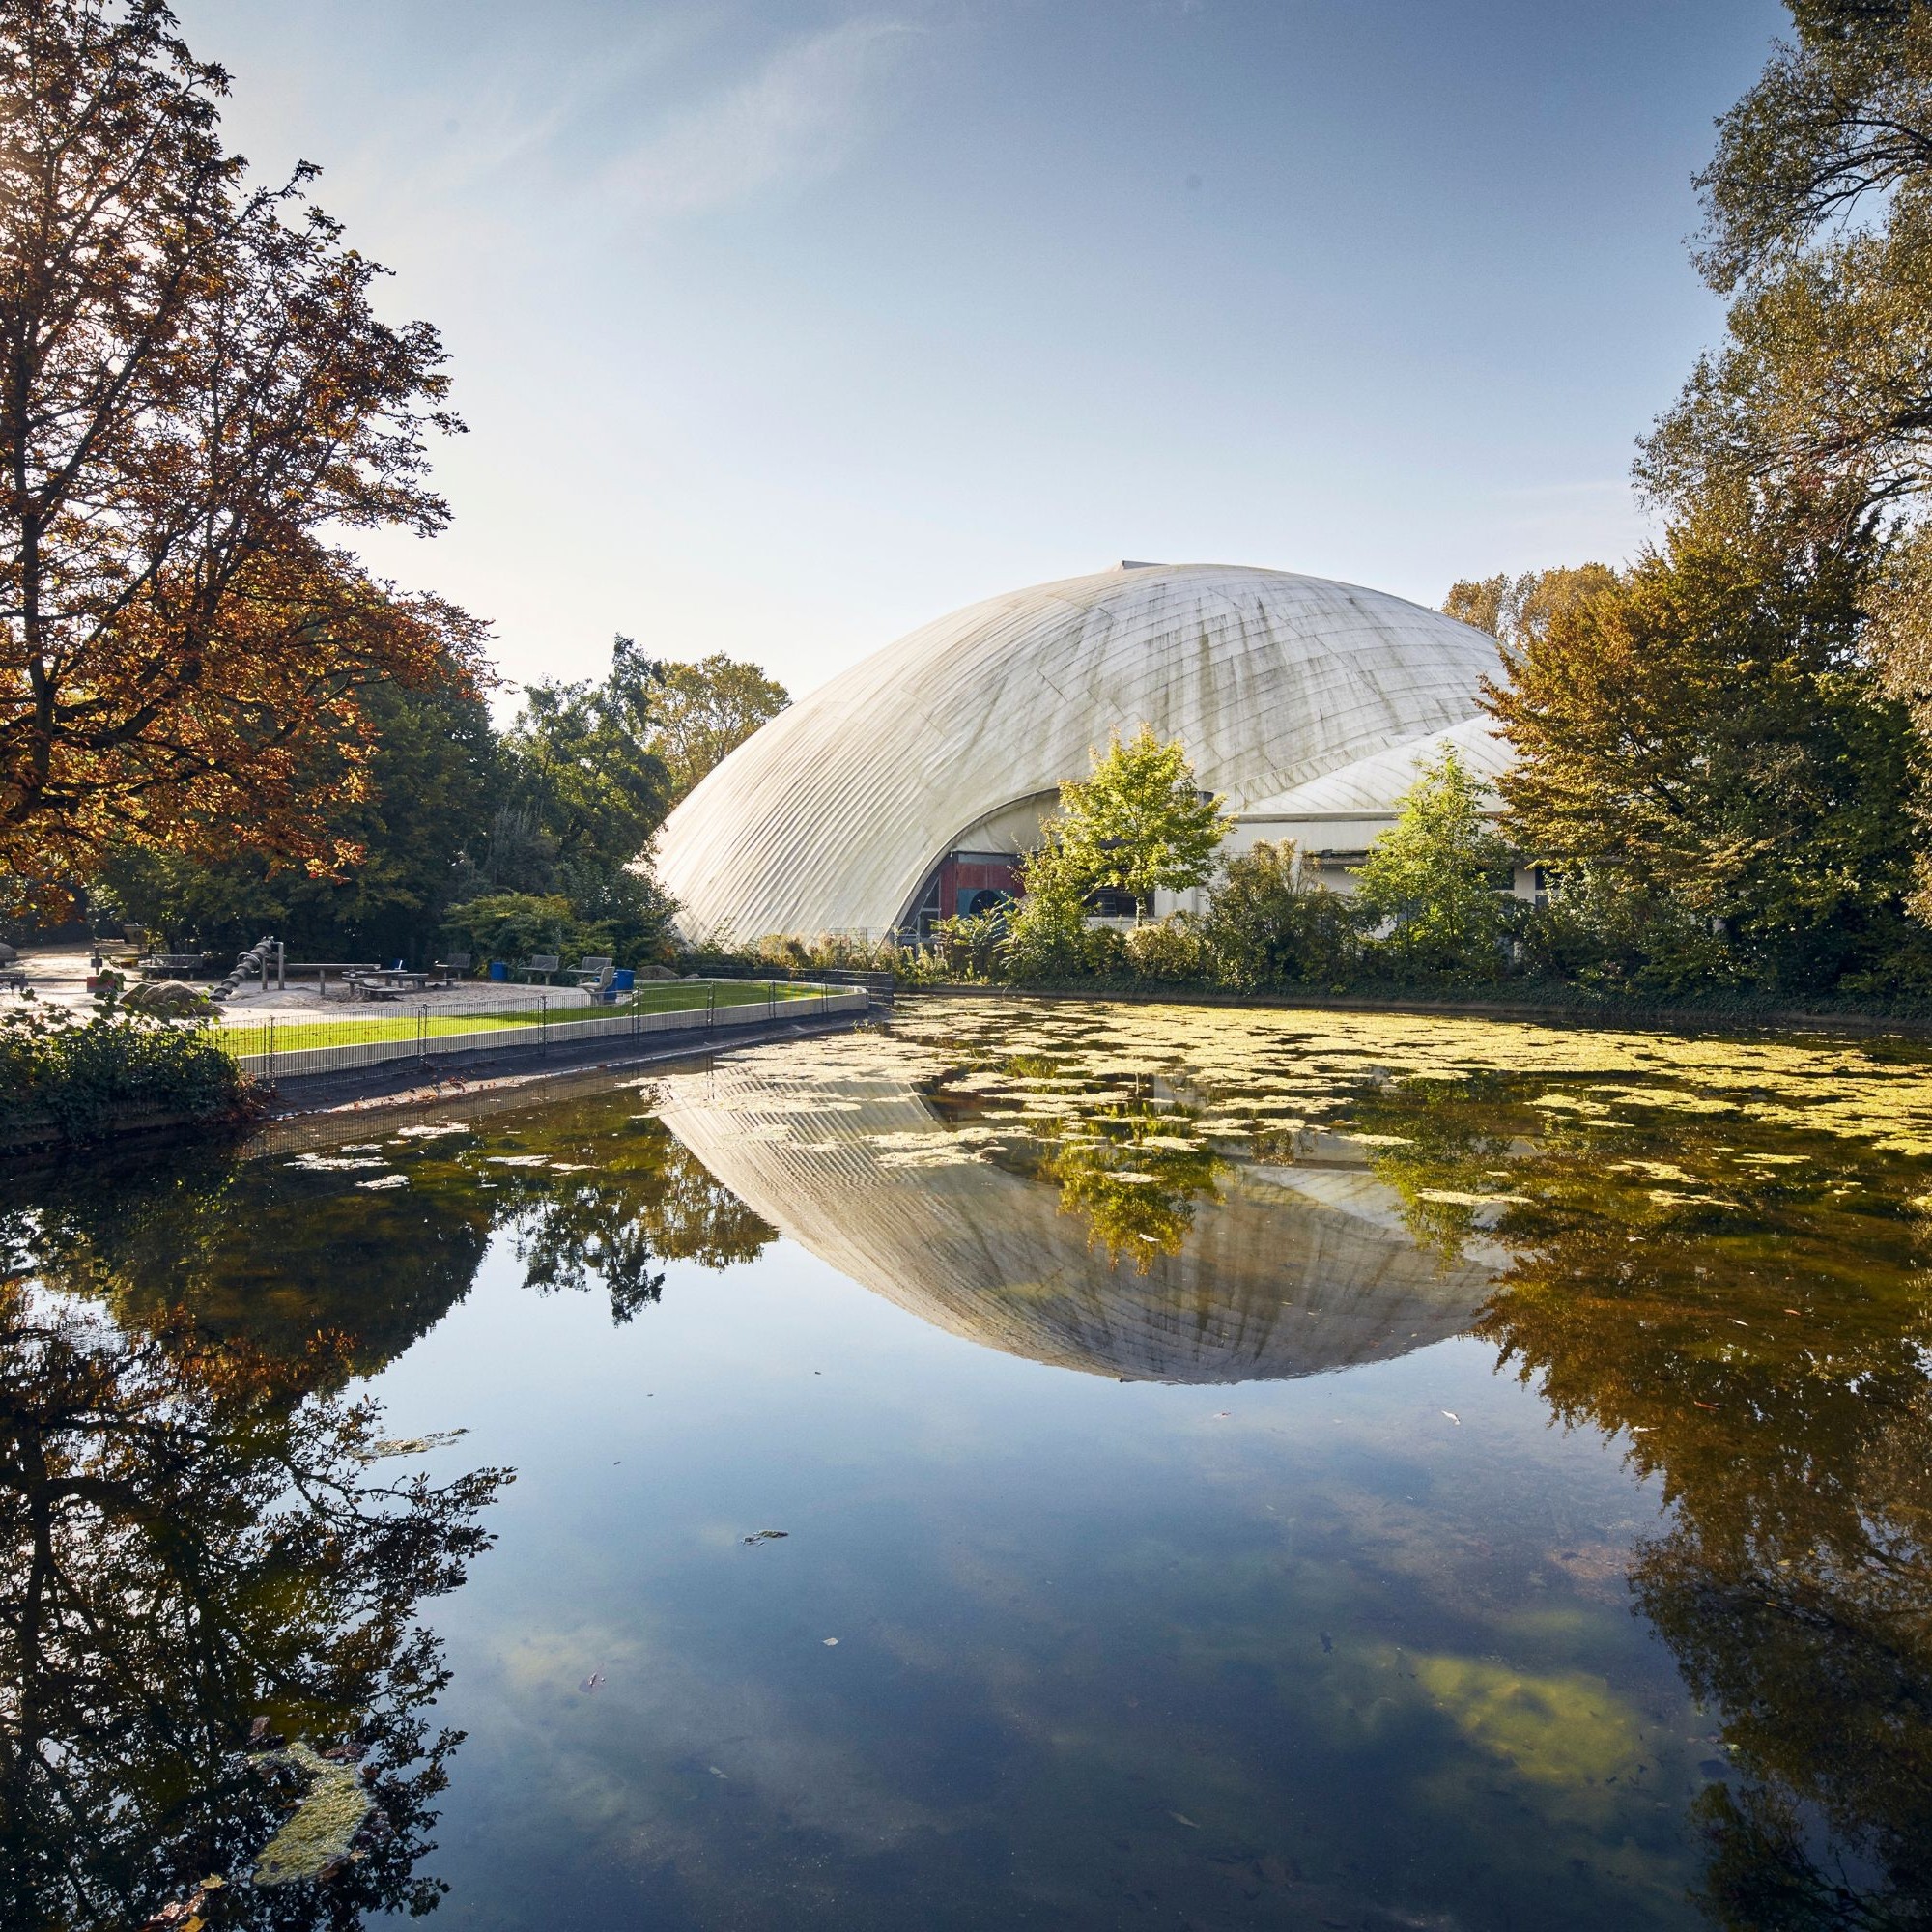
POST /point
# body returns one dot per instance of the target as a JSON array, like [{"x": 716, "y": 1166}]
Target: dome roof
[
  {"x": 1372, "y": 786},
  {"x": 831, "y": 817}
]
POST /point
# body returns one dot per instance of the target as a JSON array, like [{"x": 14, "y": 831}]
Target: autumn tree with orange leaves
[{"x": 198, "y": 405}]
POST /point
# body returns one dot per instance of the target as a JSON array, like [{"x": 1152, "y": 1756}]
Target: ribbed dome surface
[{"x": 830, "y": 818}]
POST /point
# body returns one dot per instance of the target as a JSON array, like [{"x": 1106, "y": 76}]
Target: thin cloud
[{"x": 799, "y": 117}]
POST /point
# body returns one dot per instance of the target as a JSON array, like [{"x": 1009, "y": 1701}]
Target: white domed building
[{"x": 908, "y": 788}]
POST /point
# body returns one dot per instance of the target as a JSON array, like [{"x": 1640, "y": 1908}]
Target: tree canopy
[
  {"x": 1818, "y": 224},
  {"x": 196, "y": 395},
  {"x": 1436, "y": 879},
  {"x": 425, "y": 802},
  {"x": 1701, "y": 729},
  {"x": 1516, "y": 611},
  {"x": 702, "y": 712},
  {"x": 1138, "y": 821}
]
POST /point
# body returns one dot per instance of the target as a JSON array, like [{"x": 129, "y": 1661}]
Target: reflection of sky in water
[
  {"x": 1330, "y": 1629},
  {"x": 1227, "y": 1450}
]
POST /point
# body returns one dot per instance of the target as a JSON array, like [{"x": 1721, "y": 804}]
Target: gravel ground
[{"x": 58, "y": 975}]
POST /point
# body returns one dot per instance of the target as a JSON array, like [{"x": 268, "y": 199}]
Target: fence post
[
  {"x": 422, "y": 1033},
  {"x": 710, "y": 1006},
  {"x": 271, "y": 1024}
]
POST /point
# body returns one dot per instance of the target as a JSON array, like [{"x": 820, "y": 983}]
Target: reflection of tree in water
[
  {"x": 269, "y": 1251},
  {"x": 1132, "y": 1169},
  {"x": 190, "y": 1536},
  {"x": 250, "y": 1250},
  {"x": 1137, "y": 1197},
  {"x": 189, "y": 1541},
  {"x": 1768, "y": 1349},
  {"x": 1445, "y": 1158},
  {"x": 613, "y": 1219}
]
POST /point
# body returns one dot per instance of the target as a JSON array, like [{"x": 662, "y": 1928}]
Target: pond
[{"x": 1031, "y": 1462}]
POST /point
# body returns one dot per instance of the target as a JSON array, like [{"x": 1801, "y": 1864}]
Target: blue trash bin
[
  {"x": 499, "y": 969},
  {"x": 624, "y": 982}
]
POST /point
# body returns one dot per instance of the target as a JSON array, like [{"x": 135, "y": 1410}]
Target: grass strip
[{"x": 366, "y": 1028}]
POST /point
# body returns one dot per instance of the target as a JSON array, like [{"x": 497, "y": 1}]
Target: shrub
[
  {"x": 1265, "y": 926},
  {"x": 969, "y": 946},
  {"x": 1607, "y": 933},
  {"x": 1166, "y": 949},
  {"x": 1103, "y": 950},
  {"x": 80, "y": 1074},
  {"x": 510, "y": 926},
  {"x": 1046, "y": 932},
  {"x": 513, "y": 926}
]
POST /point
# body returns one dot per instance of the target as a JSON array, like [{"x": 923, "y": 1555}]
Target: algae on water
[{"x": 324, "y": 1824}]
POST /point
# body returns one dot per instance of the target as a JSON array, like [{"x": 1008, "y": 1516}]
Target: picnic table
[
  {"x": 323, "y": 968},
  {"x": 385, "y": 985},
  {"x": 171, "y": 965}
]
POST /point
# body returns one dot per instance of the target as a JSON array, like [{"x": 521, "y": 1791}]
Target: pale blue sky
[{"x": 783, "y": 328}]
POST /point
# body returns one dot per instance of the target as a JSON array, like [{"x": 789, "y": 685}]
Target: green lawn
[{"x": 375, "y": 1021}]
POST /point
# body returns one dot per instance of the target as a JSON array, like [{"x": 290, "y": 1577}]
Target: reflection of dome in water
[{"x": 1272, "y": 1283}]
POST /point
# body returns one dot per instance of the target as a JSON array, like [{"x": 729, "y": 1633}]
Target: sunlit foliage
[
  {"x": 1698, "y": 736},
  {"x": 702, "y": 711},
  {"x": 199, "y": 398},
  {"x": 1436, "y": 880}
]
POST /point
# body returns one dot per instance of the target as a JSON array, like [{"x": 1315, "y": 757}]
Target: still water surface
[{"x": 1234, "y": 1469}]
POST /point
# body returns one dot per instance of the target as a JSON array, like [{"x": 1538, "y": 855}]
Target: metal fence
[
  {"x": 880, "y": 984},
  {"x": 282, "y": 1046}
]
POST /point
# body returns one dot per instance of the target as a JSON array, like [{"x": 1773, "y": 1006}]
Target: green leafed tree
[
  {"x": 1138, "y": 822},
  {"x": 1703, "y": 732},
  {"x": 1046, "y": 931},
  {"x": 1818, "y": 226},
  {"x": 422, "y": 802},
  {"x": 702, "y": 712},
  {"x": 585, "y": 793},
  {"x": 1434, "y": 881},
  {"x": 582, "y": 764}
]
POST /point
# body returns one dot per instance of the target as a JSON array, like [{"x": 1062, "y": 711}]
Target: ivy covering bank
[{"x": 81, "y": 1076}]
